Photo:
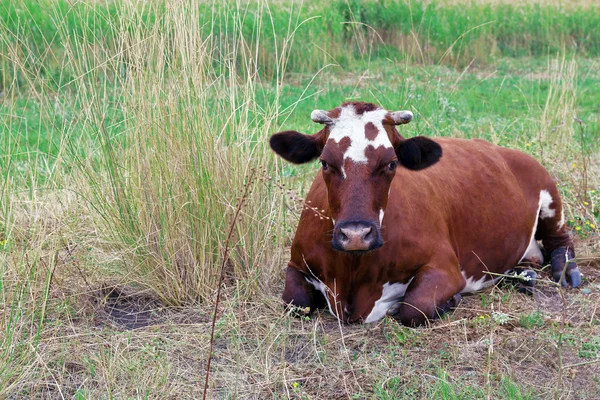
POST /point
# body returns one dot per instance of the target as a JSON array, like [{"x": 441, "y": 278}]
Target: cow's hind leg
[
  {"x": 299, "y": 295},
  {"x": 557, "y": 242},
  {"x": 564, "y": 268},
  {"x": 432, "y": 292}
]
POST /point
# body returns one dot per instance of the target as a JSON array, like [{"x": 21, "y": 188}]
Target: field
[{"x": 136, "y": 180}]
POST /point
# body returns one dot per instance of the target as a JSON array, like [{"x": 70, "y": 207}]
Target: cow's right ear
[
  {"x": 418, "y": 153},
  {"x": 296, "y": 147}
]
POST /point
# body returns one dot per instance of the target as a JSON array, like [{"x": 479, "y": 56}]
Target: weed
[
  {"x": 511, "y": 390},
  {"x": 397, "y": 334},
  {"x": 590, "y": 348},
  {"x": 532, "y": 321}
]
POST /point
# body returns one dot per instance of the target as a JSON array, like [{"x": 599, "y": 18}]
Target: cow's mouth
[{"x": 357, "y": 252}]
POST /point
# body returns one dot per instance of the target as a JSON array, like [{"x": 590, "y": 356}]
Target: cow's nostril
[
  {"x": 343, "y": 236},
  {"x": 369, "y": 234}
]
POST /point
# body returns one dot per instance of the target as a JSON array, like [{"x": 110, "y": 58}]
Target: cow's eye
[
  {"x": 392, "y": 166},
  {"x": 325, "y": 166}
]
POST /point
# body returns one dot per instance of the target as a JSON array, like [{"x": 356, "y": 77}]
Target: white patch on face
[
  {"x": 533, "y": 252},
  {"x": 475, "y": 285},
  {"x": 352, "y": 126},
  {"x": 380, "y": 216},
  {"x": 545, "y": 201},
  {"x": 320, "y": 286},
  {"x": 390, "y": 295}
]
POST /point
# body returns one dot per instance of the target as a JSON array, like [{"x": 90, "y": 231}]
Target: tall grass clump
[{"x": 164, "y": 180}]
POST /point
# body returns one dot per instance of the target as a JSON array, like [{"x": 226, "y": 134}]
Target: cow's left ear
[{"x": 418, "y": 153}]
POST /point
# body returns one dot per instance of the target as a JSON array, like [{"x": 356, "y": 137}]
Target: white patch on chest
[
  {"x": 350, "y": 125},
  {"x": 320, "y": 286},
  {"x": 533, "y": 251},
  {"x": 390, "y": 295},
  {"x": 380, "y": 216}
]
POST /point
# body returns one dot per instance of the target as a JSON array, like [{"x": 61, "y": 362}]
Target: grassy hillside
[{"x": 132, "y": 133}]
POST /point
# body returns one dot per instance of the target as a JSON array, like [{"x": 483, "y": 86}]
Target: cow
[{"x": 401, "y": 227}]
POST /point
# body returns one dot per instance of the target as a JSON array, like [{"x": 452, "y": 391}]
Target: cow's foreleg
[
  {"x": 432, "y": 292},
  {"x": 299, "y": 294}
]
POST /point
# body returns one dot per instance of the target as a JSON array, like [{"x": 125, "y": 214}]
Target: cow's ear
[
  {"x": 296, "y": 147},
  {"x": 418, "y": 153}
]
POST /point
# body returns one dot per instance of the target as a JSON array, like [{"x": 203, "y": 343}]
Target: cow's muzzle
[{"x": 356, "y": 236}]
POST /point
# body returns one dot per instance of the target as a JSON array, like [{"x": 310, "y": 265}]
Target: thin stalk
[{"x": 222, "y": 274}]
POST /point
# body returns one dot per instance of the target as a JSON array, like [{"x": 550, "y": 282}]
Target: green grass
[
  {"x": 128, "y": 133},
  {"x": 314, "y": 34}
]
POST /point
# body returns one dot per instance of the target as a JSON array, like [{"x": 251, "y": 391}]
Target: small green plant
[
  {"x": 509, "y": 389},
  {"x": 398, "y": 334},
  {"x": 396, "y": 388},
  {"x": 483, "y": 320},
  {"x": 590, "y": 348},
  {"x": 445, "y": 387},
  {"x": 532, "y": 320},
  {"x": 485, "y": 299}
]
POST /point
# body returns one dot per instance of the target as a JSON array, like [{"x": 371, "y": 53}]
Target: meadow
[{"x": 137, "y": 187}]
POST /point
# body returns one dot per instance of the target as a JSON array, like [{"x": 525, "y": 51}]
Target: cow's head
[{"x": 359, "y": 149}]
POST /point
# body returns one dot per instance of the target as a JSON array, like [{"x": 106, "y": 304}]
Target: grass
[
  {"x": 129, "y": 132},
  {"x": 437, "y": 32}
]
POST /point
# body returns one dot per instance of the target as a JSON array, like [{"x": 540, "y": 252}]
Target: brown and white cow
[{"x": 409, "y": 224}]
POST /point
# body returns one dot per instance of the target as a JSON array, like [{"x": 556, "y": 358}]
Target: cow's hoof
[
  {"x": 564, "y": 268},
  {"x": 525, "y": 280}
]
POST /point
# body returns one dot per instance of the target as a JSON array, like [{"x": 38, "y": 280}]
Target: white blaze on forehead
[{"x": 351, "y": 125}]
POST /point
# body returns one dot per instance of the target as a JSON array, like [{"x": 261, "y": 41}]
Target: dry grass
[{"x": 260, "y": 352}]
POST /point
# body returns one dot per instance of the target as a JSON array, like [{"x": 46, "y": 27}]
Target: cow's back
[{"x": 475, "y": 202}]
